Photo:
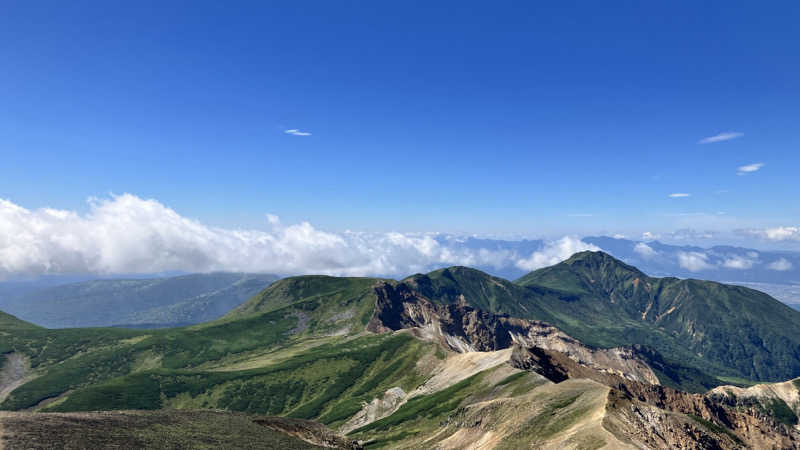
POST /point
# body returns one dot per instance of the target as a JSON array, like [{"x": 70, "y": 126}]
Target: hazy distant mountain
[
  {"x": 720, "y": 263},
  {"x": 156, "y": 302}
]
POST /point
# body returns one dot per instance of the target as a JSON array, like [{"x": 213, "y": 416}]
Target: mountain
[
  {"x": 719, "y": 263},
  {"x": 711, "y": 326},
  {"x": 156, "y": 302},
  {"x": 438, "y": 360},
  {"x": 403, "y": 388}
]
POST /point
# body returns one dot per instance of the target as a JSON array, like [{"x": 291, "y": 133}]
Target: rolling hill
[{"x": 155, "y": 302}]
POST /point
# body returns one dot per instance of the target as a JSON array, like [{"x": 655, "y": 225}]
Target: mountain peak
[
  {"x": 596, "y": 259},
  {"x": 583, "y": 271}
]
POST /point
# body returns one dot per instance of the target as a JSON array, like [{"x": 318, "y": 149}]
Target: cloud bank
[{"x": 128, "y": 234}]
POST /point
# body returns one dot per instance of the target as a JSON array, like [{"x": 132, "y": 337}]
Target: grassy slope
[
  {"x": 235, "y": 363},
  {"x": 328, "y": 383},
  {"x": 729, "y": 330}
]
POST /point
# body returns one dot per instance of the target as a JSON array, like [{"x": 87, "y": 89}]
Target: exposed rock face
[
  {"x": 13, "y": 373},
  {"x": 463, "y": 328},
  {"x": 780, "y": 401},
  {"x": 377, "y": 409},
  {"x": 639, "y": 411}
]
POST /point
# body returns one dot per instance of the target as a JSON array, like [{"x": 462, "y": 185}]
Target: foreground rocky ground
[{"x": 163, "y": 430}]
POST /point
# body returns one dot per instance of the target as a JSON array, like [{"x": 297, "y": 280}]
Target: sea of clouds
[{"x": 129, "y": 234}]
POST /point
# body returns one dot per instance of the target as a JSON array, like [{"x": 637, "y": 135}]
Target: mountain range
[
  {"x": 588, "y": 353},
  {"x": 142, "y": 302},
  {"x": 774, "y": 272}
]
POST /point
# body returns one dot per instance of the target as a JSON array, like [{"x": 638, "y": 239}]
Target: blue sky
[{"x": 504, "y": 118}]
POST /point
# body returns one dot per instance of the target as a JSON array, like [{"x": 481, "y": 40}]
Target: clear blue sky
[{"x": 487, "y": 117}]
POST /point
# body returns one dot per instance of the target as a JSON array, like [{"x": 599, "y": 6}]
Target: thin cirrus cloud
[
  {"x": 679, "y": 195},
  {"x": 296, "y": 132},
  {"x": 721, "y": 137},
  {"x": 749, "y": 168}
]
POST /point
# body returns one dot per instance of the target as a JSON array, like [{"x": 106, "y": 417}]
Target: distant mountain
[
  {"x": 777, "y": 272},
  {"x": 157, "y": 302},
  {"x": 718, "y": 263}
]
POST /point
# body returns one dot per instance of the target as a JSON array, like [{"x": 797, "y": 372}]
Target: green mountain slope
[
  {"x": 186, "y": 299},
  {"x": 709, "y": 325},
  {"x": 302, "y": 348}
]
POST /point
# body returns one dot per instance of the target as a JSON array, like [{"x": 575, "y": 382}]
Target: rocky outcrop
[
  {"x": 14, "y": 371},
  {"x": 377, "y": 409},
  {"x": 463, "y": 328},
  {"x": 779, "y": 401},
  {"x": 308, "y": 431},
  {"x": 640, "y": 411}
]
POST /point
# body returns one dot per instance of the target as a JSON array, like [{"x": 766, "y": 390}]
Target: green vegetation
[
  {"x": 101, "y": 354},
  {"x": 717, "y": 429},
  {"x": 547, "y": 423},
  {"x": 428, "y": 413},
  {"x": 328, "y": 383},
  {"x": 725, "y": 330},
  {"x": 778, "y": 409}
]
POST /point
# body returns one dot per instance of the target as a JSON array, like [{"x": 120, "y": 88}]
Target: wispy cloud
[
  {"x": 750, "y": 168},
  {"x": 296, "y": 132},
  {"x": 720, "y": 137},
  {"x": 679, "y": 195}
]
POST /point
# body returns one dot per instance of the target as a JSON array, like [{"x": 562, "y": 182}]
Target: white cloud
[
  {"x": 554, "y": 252},
  {"x": 296, "y": 132},
  {"x": 128, "y": 234},
  {"x": 750, "y": 168},
  {"x": 721, "y": 137},
  {"x": 781, "y": 265},
  {"x": 738, "y": 262},
  {"x": 694, "y": 261},
  {"x": 273, "y": 219},
  {"x": 619, "y": 236},
  {"x": 679, "y": 195},
  {"x": 644, "y": 250},
  {"x": 648, "y": 236},
  {"x": 778, "y": 233}
]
